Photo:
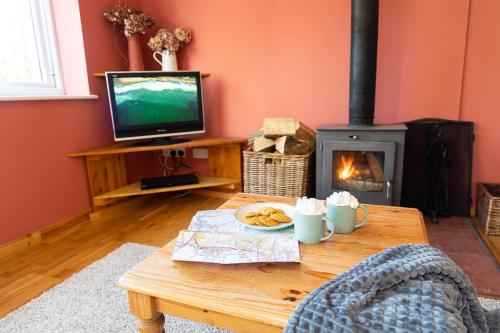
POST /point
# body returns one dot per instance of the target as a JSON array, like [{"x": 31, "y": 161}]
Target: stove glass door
[
  {"x": 365, "y": 169},
  {"x": 358, "y": 170}
]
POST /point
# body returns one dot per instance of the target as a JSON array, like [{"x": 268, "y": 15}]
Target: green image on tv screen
[{"x": 156, "y": 100}]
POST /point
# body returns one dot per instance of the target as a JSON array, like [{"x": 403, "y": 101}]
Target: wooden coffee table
[{"x": 257, "y": 297}]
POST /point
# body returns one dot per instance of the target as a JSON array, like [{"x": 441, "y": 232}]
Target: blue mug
[
  {"x": 310, "y": 229},
  {"x": 344, "y": 218}
]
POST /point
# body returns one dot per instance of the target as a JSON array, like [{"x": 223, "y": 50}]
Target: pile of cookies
[{"x": 267, "y": 217}]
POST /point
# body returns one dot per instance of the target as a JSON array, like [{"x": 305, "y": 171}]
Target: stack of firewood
[{"x": 283, "y": 135}]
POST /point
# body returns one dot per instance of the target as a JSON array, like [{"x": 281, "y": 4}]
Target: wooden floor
[
  {"x": 155, "y": 220},
  {"x": 151, "y": 220}
]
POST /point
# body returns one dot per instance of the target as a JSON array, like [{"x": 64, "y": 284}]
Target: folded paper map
[
  {"x": 215, "y": 237},
  {"x": 234, "y": 248}
]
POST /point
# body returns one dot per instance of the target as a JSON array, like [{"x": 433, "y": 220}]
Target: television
[{"x": 155, "y": 104}]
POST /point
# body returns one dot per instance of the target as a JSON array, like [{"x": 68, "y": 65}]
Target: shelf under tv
[
  {"x": 108, "y": 179},
  {"x": 101, "y": 74},
  {"x": 135, "y": 189}
]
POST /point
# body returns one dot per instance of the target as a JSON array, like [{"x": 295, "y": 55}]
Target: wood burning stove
[
  {"x": 366, "y": 161},
  {"x": 362, "y": 158}
]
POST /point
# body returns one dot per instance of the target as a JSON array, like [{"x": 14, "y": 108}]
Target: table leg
[{"x": 148, "y": 319}]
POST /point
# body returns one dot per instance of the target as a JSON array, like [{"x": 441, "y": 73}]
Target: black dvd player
[{"x": 168, "y": 181}]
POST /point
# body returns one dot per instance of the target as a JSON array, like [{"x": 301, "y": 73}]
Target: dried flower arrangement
[
  {"x": 131, "y": 20},
  {"x": 170, "y": 41}
]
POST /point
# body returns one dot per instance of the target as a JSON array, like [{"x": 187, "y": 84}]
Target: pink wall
[
  {"x": 39, "y": 183},
  {"x": 291, "y": 57},
  {"x": 267, "y": 58},
  {"x": 421, "y": 55},
  {"x": 481, "y": 94}
]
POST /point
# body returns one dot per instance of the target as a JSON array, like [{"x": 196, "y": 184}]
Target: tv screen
[{"x": 155, "y": 104}]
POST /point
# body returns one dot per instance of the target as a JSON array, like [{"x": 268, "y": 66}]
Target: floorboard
[{"x": 154, "y": 221}]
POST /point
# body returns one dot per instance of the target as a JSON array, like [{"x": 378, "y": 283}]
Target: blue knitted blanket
[{"x": 408, "y": 288}]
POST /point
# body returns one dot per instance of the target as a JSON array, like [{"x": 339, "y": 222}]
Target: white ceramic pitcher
[{"x": 168, "y": 60}]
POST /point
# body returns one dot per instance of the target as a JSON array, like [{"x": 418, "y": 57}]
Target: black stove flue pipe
[{"x": 364, "y": 39}]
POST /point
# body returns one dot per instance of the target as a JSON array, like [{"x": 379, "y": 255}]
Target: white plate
[{"x": 253, "y": 207}]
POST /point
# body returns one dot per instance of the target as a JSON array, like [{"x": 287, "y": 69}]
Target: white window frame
[{"x": 48, "y": 56}]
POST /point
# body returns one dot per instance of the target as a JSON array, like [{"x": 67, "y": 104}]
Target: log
[
  {"x": 305, "y": 134},
  {"x": 280, "y": 144},
  {"x": 290, "y": 146},
  {"x": 276, "y": 127},
  {"x": 253, "y": 136},
  {"x": 376, "y": 169},
  {"x": 361, "y": 185},
  {"x": 260, "y": 143}
]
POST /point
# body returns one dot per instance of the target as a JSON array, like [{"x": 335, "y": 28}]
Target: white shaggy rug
[{"x": 90, "y": 302}]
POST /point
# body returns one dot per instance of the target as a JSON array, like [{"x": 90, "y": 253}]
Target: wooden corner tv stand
[{"x": 107, "y": 175}]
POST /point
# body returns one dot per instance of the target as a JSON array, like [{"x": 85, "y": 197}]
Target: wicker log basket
[
  {"x": 277, "y": 174},
  {"x": 280, "y": 159},
  {"x": 488, "y": 208}
]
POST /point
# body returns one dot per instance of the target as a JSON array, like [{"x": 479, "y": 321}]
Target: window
[{"x": 29, "y": 62}]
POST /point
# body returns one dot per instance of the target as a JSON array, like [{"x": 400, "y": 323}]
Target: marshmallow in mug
[
  {"x": 343, "y": 199},
  {"x": 310, "y": 206}
]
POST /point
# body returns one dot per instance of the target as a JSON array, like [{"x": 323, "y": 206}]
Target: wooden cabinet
[{"x": 107, "y": 175}]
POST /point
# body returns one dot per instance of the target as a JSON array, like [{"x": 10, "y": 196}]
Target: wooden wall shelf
[
  {"x": 107, "y": 176},
  {"x": 101, "y": 74}
]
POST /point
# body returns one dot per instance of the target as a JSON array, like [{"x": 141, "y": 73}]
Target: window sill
[{"x": 46, "y": 97}]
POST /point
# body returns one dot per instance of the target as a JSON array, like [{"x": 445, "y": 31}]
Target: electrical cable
[
  {"x": 176, "y": 165},
  {"x": 164, "y": 164},
  {"x": 182, "y": 164}
]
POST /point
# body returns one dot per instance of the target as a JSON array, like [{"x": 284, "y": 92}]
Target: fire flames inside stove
[{"x": 358, "y": 171}]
